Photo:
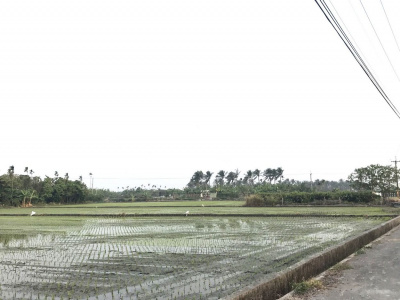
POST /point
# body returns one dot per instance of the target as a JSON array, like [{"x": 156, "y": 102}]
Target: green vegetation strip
[{"x": 199, "y": 209}]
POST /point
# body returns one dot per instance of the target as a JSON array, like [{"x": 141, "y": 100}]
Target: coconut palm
[
  {"x": 256, "y": 174},
  {"x": 219, "y": 179},
  {"x": 279, "y": 174},
  {"x": 207, "y": 177},
  {"x": 237, "y": 172},
  {"x": 268, "y": 174},
  {"x": 248, "y": 178},
  {"x": 11, "y": 174},
  {"x": 230, "y": 177}
]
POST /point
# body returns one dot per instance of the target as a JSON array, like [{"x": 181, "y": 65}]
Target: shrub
[
  {"x": 254, "y": 201},
  {"x": 316, "y": 198}
]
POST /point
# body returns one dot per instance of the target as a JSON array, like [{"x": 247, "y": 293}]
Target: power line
[
  {"x": 380, "y": 42},
  {"x": 387, "y": 18},
  {"x": 355, "y": 54},
  {"x": 354, "y": 40},
  {"x": 339, "y": 30}
]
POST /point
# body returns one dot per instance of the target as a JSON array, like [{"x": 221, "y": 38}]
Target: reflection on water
[{"x": 171, "y": 258}]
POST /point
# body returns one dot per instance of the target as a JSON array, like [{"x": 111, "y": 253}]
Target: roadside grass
[
  {"x": 341, "y": 267},
  {"x": 360, "y": 251},
  {"x": 307, "y": 286}
]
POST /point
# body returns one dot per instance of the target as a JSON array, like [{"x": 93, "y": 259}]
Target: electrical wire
[
  {"x": 356, "y": 55},
  {"x": 352, "y": 38},
  {"x": 387, "y": 18},
  {"x": 339, "y": 30},
  {"x": 380, "y": 42}
]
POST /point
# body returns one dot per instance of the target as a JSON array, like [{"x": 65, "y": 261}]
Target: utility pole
[
  {"x": 311, "y": 180},
  {"x": 397, "y": 178}
]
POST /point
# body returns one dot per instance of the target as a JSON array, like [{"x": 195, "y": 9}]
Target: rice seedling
[{"x": 163, "y": 258}]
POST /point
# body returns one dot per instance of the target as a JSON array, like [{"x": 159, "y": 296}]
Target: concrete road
[{"x": 374, "y": 274}]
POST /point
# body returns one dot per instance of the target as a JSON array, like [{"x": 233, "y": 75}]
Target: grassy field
[{"x": 195, "y": 208}]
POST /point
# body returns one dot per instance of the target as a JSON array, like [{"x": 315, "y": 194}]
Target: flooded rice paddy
[{"x": 158, "y": 258}]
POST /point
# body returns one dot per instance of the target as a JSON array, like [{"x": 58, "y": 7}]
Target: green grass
[
  {"x": 163, "y": 204},
  {"x": 194, "y": 207},
  {"x": 306, "y": 286},
  {"x": 341, "y": 267},
  {"x": 27, "y": 225}
]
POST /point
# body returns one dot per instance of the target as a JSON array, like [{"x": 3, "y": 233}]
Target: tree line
[
  {"x": 26, "y": 189},
  {"x": 200, "y": 179},
  {"x": 23, "y": 189}
]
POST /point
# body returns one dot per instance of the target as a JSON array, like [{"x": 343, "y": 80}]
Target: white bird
[
  {"x": 32, "y": 213},
  {"x": 187, "y": 213}
]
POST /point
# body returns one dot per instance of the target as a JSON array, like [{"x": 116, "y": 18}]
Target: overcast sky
[{"x": 157, "y": 89}]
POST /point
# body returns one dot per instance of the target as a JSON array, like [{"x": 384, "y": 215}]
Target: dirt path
[{"x": 374, "y": 274}]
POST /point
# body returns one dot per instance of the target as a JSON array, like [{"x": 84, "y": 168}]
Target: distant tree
[
  {"x": 248, "y": 178},
  {"x": 256, "y": 174},
  {"x": 220, "y": 177},
  {"x": 11, "y": 174},
  {"x": 268, "y": 174},
  {"x": 373, "y": 178},
  {"x": 196, "y": 179},
  {"x": 28, "y": 195},
  {"x": 230, "y": 178},
  {"x": 279, "y": 174},
  {"x": 207, "y": 177},
  {"x": 237, "y": 172}
]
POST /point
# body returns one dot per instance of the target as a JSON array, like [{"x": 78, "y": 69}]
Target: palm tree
[
  {"x": 11, "y": 174},
  {"x": 56, "y": 174},
  {"x": 196, "y": 179},
  {"x": 220, "y": 177},
  {"x": 230, "y": 177},
  {"x": 274, "y": 175},
  {"x": 237, "y": 172},
  {"x": 26, "y": 170},
  {"x": 31, "y": 172},
  {"x": 268, "y": 175},
  {"x": 80, "y": 178},
  {"x": 256, "y": 174},
  {"x": 91, "y": 182},
  {"x": 207, "y": 177},
  {"x": 279, "y": 174},
  {"x": 248, "y": 178},
  {"x": 66, "y": 176}
]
